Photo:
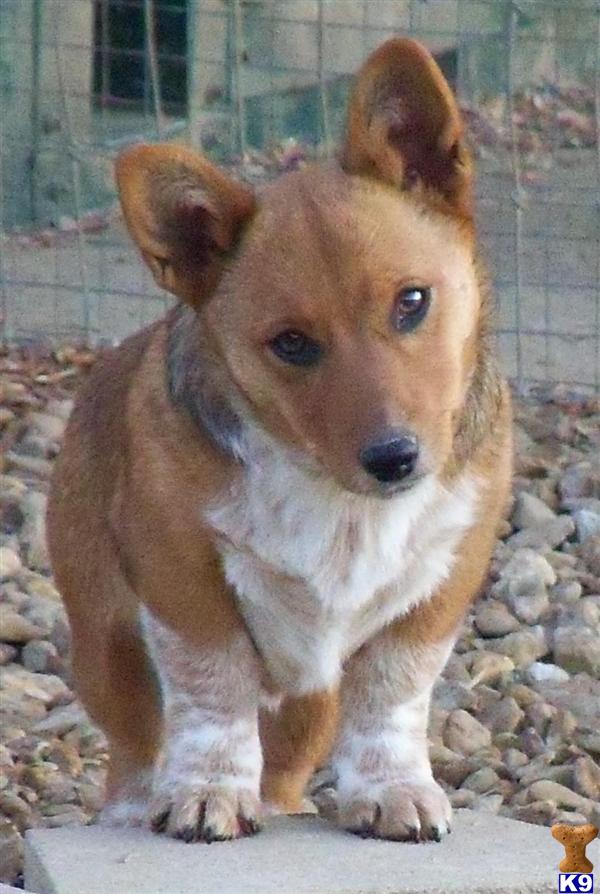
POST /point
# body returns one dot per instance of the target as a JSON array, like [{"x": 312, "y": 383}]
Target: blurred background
[{"x": 261, "y": 86}]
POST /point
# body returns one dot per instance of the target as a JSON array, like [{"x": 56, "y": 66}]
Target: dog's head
[{"x": 341, "y": 305}]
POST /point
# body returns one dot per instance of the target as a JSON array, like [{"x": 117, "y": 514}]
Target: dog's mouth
[
  {"x": 393, "y": 488},
  {"x": 389, "y": 489}
]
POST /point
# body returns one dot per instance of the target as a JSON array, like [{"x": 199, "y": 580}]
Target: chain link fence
[{"x": 261, "y": 85}]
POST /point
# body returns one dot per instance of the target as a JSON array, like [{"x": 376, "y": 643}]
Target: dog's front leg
[
  {"x": 385, "y": 787},
  {"x": 207, "y": 787}
]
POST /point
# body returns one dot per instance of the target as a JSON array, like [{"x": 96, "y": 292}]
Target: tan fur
[{"x": 163, "y": 558}]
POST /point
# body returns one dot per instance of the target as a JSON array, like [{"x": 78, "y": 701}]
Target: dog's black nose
[{"x": 390, "y": 460}]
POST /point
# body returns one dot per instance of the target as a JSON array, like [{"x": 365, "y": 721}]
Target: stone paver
[{"x": 485, "y": 854}]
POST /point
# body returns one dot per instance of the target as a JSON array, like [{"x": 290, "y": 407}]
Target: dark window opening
[{"x": 122, "y": 76}]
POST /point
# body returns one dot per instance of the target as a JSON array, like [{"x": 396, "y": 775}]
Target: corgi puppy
[{"x": 274, "y": 506}]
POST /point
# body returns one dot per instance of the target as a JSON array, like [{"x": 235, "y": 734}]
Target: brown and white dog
[{"x": 274, "y": 506}]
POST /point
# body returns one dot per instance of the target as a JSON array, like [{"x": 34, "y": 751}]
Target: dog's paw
[
  {"x": 205, "y": 812},
  {"x": 398, "y": 811}
]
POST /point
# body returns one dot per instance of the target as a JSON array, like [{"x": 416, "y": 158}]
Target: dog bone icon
[{"x": 574, "y": 840}]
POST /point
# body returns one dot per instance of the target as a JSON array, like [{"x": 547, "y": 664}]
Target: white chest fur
[{"x": 318, "y": 571}]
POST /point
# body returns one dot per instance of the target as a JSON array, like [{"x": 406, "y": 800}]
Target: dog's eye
[
  {"x": 410, "y": 308},
  {"x": 296, "y": 348}
]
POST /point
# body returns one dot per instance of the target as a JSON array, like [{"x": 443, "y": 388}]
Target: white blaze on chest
[{"x": 318, "y": 571}]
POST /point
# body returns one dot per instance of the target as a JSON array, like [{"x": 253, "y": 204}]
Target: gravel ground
[{"x": 515, "y": 725}]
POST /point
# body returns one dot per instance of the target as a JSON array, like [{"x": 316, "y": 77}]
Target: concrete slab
[{"x": 296, "y": 855}]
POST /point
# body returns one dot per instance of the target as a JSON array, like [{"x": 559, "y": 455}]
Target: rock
[
  {"x": 539, "y": 715},
  {"x": 580, "y": 480},
  {"x": 16, "y": 809},
  {"x": 462, "y": 798},
  {"x": 539, "y": 769},
  {"x": 15, "y": 628},
  {"x": 589, "y": 740},
  {"x": 41, "y": 656},
  {"x": 65, "y": 815},
  {"x": 60, "y": 636},
  {"x": 526, "y": 573},
  {"x": 530, "y": 512},
  {"x": 44, "y": 613},
  {"x": 33, "y": 532},
  {"x": 544, "y": 537},
  {"x": 585, "y": 613},
  {"x": 490, "y": 668},
  {"x": 449, "y": 767},
  {"x": 8, "y": 653},
  {"x": 515, "y": 759},
  {"x": 6, "y": 416},
  {"x": 11, "y": 852},
  {"x": 450, "y": 695},
  {"x": 13, "y": 595},
  {"x": 33, "y": 445},
  {"x": 529, "y": 609},
  {"x": 546, "y": 790},
  {"x": 10, "y": 563},
  {"x": 504, "y": 716},
  {"x": 464, "y": 734},
  {"x": 577, "y": 650},
  {"x": 523, "y": 695},
  {"x": 561, "y": 560},
  {"x": 580, "y": 695},
  {"x": 11, "y": 488},
  {"x": 486, "y": 696},
  {"x": 566, "y": 593},
  {"x": 587, "y": 524},
  {"x": 493, "y": 618},
  {"x": 571, "y": 817},
  {"x": 586, "y": 778},
  {"x": 482, "y": 781},
  {"x": 561, "y": 729},
  {"x": 46, "y": 688},
  {"x": 31, "y": 465},
  {"x": 90, "y": 796},
  {"x": 47, "y": 425},
  {"x": 538, "y": 672},
  {"x": 66, "y": 758},
  {"x": 573, "y": 506},
  {"x": 542, "y": 813},
  {"x": 488, "y": 803},
  {"x": 532, "y": 743},
  {"x": 590, "y": 553},
  {"x": 523, "y": 647},
  {"x": 36, "y": 585},
  {"x": 61, "y": 720},
  {"x": 437, "y": 722},
  {"x": 456, "y": 669},
  {"x": 60, "y": 408}
]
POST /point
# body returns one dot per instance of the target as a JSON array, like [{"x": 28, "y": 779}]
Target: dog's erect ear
[
  {"x": 404, "y": 124},
  {"x": 183, "y": 212}
]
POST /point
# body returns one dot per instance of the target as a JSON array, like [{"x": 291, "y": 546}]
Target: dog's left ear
[
  {"x": 404, "y": 124},
  {"x": 184, "y": 213}
]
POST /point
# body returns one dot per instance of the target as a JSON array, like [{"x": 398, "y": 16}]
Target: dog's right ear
[
  {"x": 184, "y": 214},
  {"x": 404, "y": 124}
]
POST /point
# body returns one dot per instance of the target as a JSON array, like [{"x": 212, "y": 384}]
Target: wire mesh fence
[{"x": 261, "y": 85}]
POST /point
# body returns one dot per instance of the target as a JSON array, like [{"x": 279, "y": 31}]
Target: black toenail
[{"x": 159, "y": 822}]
